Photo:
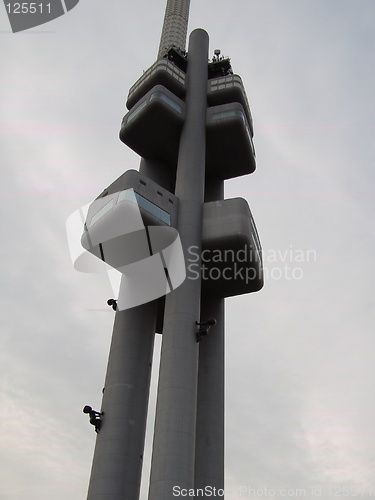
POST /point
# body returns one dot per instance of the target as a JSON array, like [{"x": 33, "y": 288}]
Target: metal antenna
[{"x": 175, "y": 26}]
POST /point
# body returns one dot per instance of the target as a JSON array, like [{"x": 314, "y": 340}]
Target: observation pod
[
  {"x": 133, "y": 229},
  {"x": 163, "y": 72},
  {"x": 229, "y": 89},
  {"x": 230, "y": 151},
  {"x": 160, "y": 206},
  {"x": 232, "y": 253},
  {"x": 152, "y": 128}
]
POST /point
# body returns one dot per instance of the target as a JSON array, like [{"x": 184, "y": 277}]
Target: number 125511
[{"x": 28, "y": 8}]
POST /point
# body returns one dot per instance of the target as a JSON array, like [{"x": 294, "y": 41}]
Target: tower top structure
[{"x": 175, "y": 26}]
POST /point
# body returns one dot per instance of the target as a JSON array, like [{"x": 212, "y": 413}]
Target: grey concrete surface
[
  {"x": 118, "y": 457},
  {"x": 174, "y": 435}
]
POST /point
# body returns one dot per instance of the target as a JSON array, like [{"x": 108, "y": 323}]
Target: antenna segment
[{"x": 175, "y": 26}]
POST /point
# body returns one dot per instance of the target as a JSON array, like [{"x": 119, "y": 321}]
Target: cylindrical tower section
[
  {"x": 209, "y": 447},
  {"x": 158, "y": 172},
  {"x": 118, "y": 457},
  {"x": 209, "y": 452},
  {"x": 175, "y": 26},
  {"x": 174, "y": 435}
]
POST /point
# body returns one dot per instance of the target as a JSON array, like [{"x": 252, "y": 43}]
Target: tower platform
[
  {"x": 229, "y": 89},
  {"x": 117, "y": 221},
  {"x": 163, "y": 72},
  {"x": 153, "y": 126},
  {"x": 229, "y": 148},
  {"x": 231, "y": 250}
]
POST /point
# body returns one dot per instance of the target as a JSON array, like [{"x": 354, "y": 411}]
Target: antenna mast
[{"x": 174, "y": 27}]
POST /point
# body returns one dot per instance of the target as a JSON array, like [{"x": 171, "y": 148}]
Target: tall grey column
[
  {"x": 209, "y": 451},
  {"x": 174, "y": 26},
  {"x": 174, "y": 435},
  {"x": 118, "y": 457}
]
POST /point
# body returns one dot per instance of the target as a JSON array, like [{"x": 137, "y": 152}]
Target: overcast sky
[{"x": 300, "y": 371}]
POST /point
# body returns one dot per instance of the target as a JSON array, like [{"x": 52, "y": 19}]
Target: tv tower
[{"x": 190, "y": 122}]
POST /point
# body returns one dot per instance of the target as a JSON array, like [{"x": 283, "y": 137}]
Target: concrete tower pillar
[
  {"x": 209, "y": 450},
  {"x": 174, "y": 435},
  {"x": 118, "y": 457}
]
